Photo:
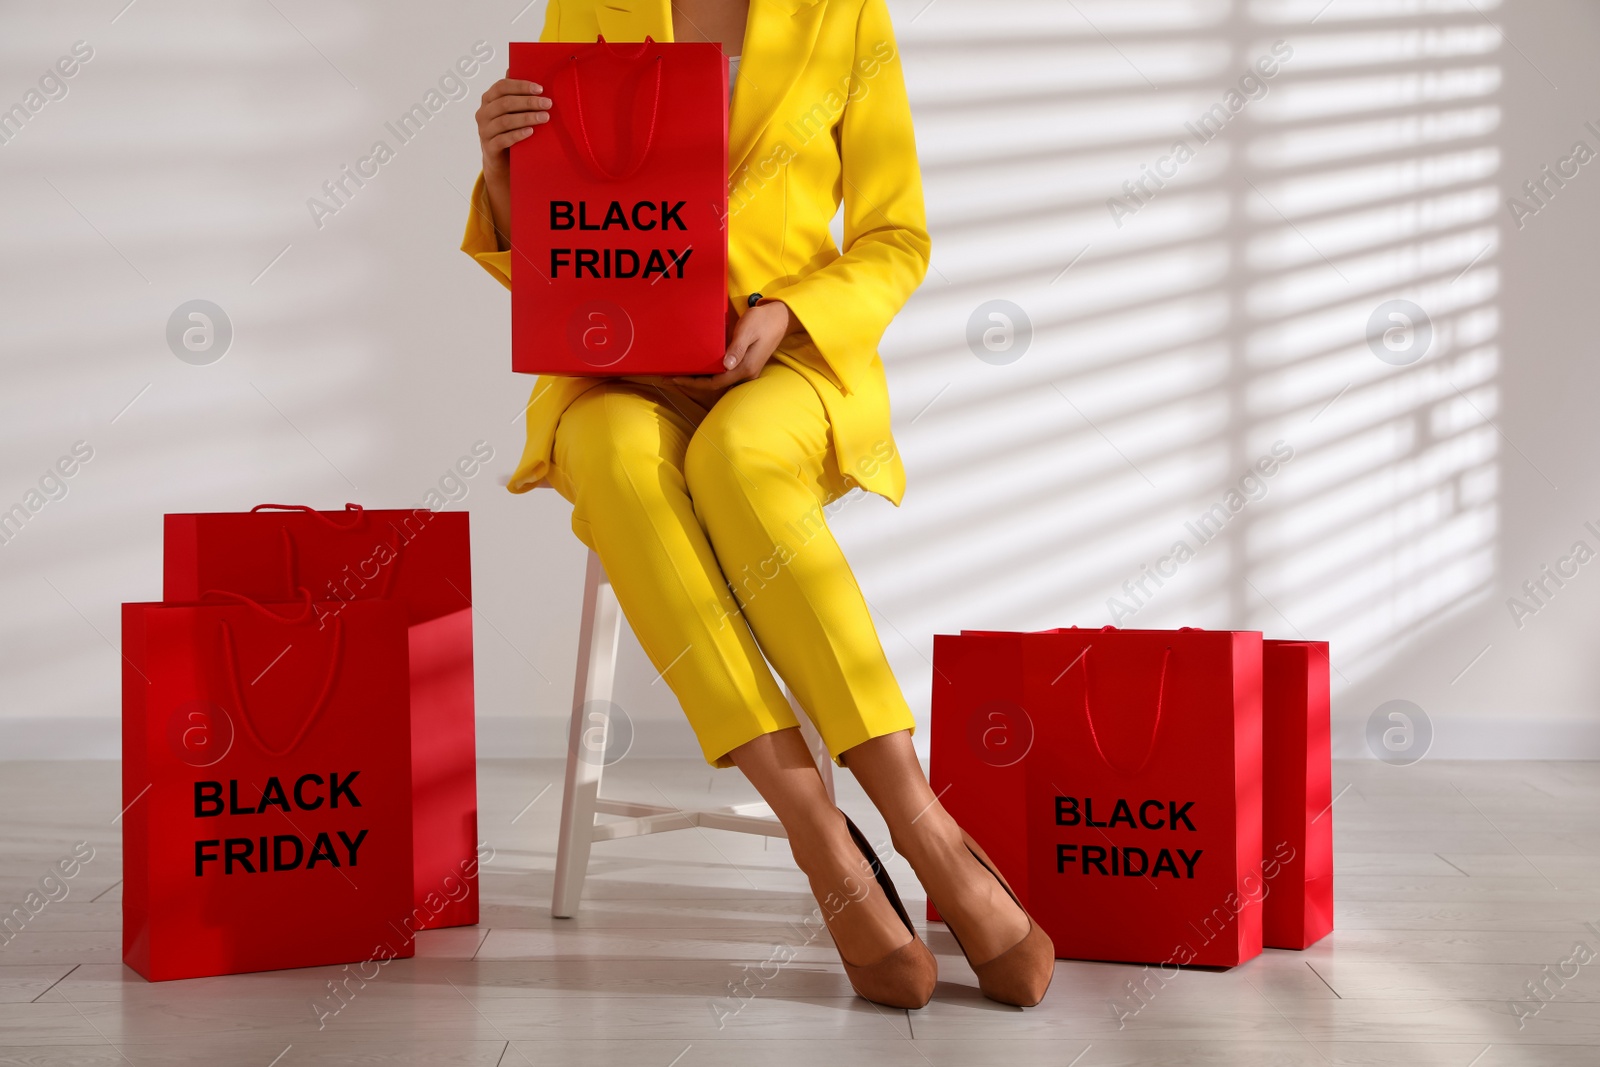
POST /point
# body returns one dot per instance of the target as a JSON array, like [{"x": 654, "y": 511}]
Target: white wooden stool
[{"x": 598, "y": 631}]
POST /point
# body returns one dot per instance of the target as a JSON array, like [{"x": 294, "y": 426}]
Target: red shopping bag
[
  {"x": 1138, "y": 837},
  {"x": 420, "y": 558},
  {"x": 266, "y": 787},
  {"x": 1297, "y": 794},
  {"x": 618, "y": 208}
]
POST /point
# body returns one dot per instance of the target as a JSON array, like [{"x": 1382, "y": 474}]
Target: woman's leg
[
  {"x": 760, "y": 468},
  {"x": 861, "y": 919},
  {"x": 618, "y": 456},
  {"x": 968, "y": 897}
]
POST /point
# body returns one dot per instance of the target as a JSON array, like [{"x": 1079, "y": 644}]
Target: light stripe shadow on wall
[{"x": 1246, "y": 382}]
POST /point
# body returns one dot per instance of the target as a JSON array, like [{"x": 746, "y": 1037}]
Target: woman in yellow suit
[{"x": 703, "y": 496}]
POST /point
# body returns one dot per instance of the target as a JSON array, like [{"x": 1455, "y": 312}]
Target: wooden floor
[{"x": 1458, "y": 884}]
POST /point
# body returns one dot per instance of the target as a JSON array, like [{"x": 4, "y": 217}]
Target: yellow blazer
[{"x": 819, "y": 113}]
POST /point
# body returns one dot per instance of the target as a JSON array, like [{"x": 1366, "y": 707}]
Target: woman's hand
[
  {"x": 510, "y": 111},
  {"x": 755, "y": 338}
]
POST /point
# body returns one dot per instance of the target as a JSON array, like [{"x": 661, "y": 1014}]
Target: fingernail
[{"x": 730, "y": 361}]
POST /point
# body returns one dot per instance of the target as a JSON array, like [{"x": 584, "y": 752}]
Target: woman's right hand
[{"x": 511, "y": 109}]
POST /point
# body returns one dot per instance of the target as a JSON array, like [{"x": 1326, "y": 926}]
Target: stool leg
[{"x": 586, "y": 740}]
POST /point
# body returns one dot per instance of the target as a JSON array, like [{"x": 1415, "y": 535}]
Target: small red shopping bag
[
  {"x": 619, "y": 243},
  {"x": 1139, "y": 833},
  {"x": 422, "y": 560},
  {"x": 1297, "y": 794},
  {"x": 267, "y": 787}
]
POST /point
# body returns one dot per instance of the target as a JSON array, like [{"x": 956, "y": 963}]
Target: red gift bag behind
[
  {"x": 1297, "y": 794},
  {"x": 618, "y": 208},
  {"x": 420, "y": 558},
  {"x": 1139, "y": 833},
  {"x": 267, "y": 787}
]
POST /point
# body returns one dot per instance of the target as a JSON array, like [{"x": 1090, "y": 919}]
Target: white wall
[{"x": 1225, "y": 314}]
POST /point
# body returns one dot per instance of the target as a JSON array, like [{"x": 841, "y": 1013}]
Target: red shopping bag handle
[
  {"x": 583, "y": 130},
  {"x": 231, "y": 658},
  {"x": 301, "y": 616},
  {"x": 291, "y": 570},
  {"x": 355, "y": 509},
  {"x": 1155, "y": 727}
]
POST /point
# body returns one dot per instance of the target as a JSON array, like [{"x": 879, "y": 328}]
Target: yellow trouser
[{"x": 680, "y": 503}]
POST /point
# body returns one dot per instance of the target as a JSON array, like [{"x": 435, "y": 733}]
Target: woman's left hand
[{"x": 755, "y": 337}]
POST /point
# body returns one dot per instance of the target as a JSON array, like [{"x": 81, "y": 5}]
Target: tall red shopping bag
[
  {"x": 420, "y": 558},
  {"x": 266, "y": 786},
  {"x": 619, "y": 244},
  {"x": 1140, "y": 827},
  {"x": 1297, "y": 794}
]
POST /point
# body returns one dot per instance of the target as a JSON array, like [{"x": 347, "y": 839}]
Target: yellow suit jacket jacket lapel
[{"x": 778, "y": 42}]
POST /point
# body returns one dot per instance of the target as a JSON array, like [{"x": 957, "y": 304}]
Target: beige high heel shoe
[
  {"x": 1020, "y": 975},
  {"x": 906, "y": 977}
]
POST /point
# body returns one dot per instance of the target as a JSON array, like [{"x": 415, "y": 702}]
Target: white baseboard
[{"x": 1499, "y": 738}]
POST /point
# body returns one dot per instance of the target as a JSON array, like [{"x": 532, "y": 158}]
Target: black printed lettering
[
  {"x": 233, "y": 800},
  {"x": 351, "y": 846},
  {"x": 299, "y": 797},
  {"x": 1122, "y": 814},
  {"x": 238, "y": 849},
  {"x": 207, "y": 799},
  {"x": 1144, "y": 820},
  {"x": 335, "y": 789},
  {"x": 1066, "y": 811},
  {"x": 272, "y": 795}
]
